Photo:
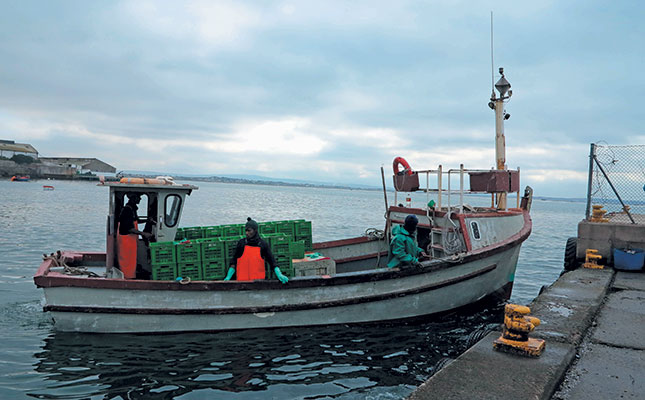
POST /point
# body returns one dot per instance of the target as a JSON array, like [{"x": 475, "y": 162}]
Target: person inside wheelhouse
[{"x": 128, "y": 233}]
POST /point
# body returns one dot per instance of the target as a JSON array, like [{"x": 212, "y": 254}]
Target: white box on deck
[{"x": 314, "y": 267}]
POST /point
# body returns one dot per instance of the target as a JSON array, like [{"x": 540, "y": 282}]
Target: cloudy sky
[{"x": 322, "y": 90}]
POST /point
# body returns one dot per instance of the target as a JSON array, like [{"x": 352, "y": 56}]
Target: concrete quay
[{"x": 593, "y": 322}]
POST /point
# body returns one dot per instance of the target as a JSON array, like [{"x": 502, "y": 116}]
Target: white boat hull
[
  {"x": 180, "y": 311},
  {"x": 83, "y": 304}
]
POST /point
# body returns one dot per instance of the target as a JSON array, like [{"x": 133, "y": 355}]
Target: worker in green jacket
[{"x": 404, "y": 251}]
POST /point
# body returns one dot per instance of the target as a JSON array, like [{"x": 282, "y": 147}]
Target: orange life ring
[{"x": 401, "y": 161}]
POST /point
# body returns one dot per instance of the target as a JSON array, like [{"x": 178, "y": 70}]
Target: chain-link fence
[{"x": 617, "y": 182}]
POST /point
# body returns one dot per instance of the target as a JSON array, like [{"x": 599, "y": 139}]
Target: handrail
[{"x": 440, "y": 172}]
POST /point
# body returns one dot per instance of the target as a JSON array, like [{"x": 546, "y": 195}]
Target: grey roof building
[
  {"x": 9, "y": 148},
  {"x": 81, "y": 164}
]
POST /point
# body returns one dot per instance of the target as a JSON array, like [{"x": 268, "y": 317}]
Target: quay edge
[{"x": 567, "y": 309}]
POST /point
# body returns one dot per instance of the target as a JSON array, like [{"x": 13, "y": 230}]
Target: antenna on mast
[{"x": 492, "y": 68}]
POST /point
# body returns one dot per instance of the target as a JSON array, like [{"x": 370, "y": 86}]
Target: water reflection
[{"x": 335, "y": 361}]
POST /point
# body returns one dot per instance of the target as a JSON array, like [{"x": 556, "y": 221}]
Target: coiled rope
[{"x": 59, "y": 261}]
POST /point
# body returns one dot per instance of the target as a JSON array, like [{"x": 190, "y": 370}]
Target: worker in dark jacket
[
  {"x": 127, "y": 237},
  {"x": 403, "y": 247},
  {"x": 250, "y": 255}
]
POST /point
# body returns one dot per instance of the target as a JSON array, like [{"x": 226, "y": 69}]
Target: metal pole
[
  {"x": 384, "y": 189},
  {"x": 614, "y": 189},
  {"x": 427, "y": 188},
  {"x": 500, "y": 146},
  {"x": 449, "y": 204},
  {"x": 518, "y": 188},
  {"x": 461, "y": 188},
  {"x": 439, "y": 189},
  {"x": 592, "y": 155}
]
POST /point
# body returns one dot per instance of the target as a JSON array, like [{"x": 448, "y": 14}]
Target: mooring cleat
[
  {"x": 598, "y": 214},
  {"x": 515, "y": 336},
  {"x": 591, "y": 259}
]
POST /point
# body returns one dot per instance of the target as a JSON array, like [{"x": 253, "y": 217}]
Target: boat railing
[{"x": 447, "y": 191}]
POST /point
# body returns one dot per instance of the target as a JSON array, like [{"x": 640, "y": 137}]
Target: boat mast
[{"x": 497, "y": 104}]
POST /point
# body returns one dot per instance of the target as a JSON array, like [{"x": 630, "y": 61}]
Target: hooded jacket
[{"x": 403, "y": 248}]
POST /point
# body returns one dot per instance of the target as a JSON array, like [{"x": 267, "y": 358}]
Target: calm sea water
[{"x": 340, "y": 362}]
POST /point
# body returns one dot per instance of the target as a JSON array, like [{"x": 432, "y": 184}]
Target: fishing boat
[
  {"x": 473, "y": 256},
  {"x": 48, "y": 187},
  {"x": 22, "y": 178}
]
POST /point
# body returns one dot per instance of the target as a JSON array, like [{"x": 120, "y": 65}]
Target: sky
[{"x": 325, "y": 91}]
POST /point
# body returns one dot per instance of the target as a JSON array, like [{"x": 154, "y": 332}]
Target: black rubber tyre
[
  {"x": 570, "y": 259},
  {"x": 440, "y": 364}
]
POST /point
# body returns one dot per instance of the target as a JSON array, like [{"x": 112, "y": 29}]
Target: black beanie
[
  {"x": 411, "y": 222},
  {"x": 251, "y": 224}
]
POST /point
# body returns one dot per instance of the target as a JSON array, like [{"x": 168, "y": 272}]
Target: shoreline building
[
  {"x": 9, "y": 148},
  {"x": 82, "y": 166}
]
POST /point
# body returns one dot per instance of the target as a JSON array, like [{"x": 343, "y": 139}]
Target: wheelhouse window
[
  {"x": 474, "y": 226},
  {"x": 171, "y": 209}
]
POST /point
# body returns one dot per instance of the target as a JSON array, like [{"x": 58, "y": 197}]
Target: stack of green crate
[
  {"x": 214, "y": 260},
  {"x": 189, "y": 259},
  {"x": 210, "y": 248},
  {"x": 303, "y": 232},
  {"x": 164, "y": 261},
  {"x": 282, "y": 254}
]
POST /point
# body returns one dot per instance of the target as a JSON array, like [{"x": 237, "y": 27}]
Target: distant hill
[{"x": 251, "y": 179}]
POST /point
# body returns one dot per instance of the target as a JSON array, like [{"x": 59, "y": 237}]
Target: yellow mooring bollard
[
  {"x": 515, "y": 336},
  {"x": 591, "y": 259},
  {"x": 598, "y": 214}
]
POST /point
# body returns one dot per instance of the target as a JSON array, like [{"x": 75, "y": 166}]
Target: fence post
[{"x": 592, "y": 154}]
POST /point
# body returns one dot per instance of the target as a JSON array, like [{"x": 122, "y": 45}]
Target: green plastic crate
[
  {"x": 284, "y": 261},
  {"x": 267, "y": 228},
  {"x": 286, "y": 228},
  {"x": 188, "y": 252},
  {"x": 231, "y": 244},
  {"x": 211, "y": 231},
  {"x": 164, "y": 272},
  {"x": 285, "y": 264},
  {"x": 302, "y": 228},
  {"x": 193, "y": 233},
  {"x": 269, "y": 238},
  {"x": 179, "y": 235},
  {"x": 212, "y": 249},
  {"x": 297, "y": 249},
  {"x": 190, "y": 270},
  {"x": 280, "y": 244},
  {"x": 232, "y": 230},
  {"x": 308, "y": 242},
  {"x": 163, "y": 253},
  {"x": 215, "y": 270}
]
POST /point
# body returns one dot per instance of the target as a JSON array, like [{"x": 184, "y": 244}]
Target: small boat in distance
[
  {"x": 474, "y": 253},
  {"x": 48, "y": 187},
  {"x": 23, "y": 178}
]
